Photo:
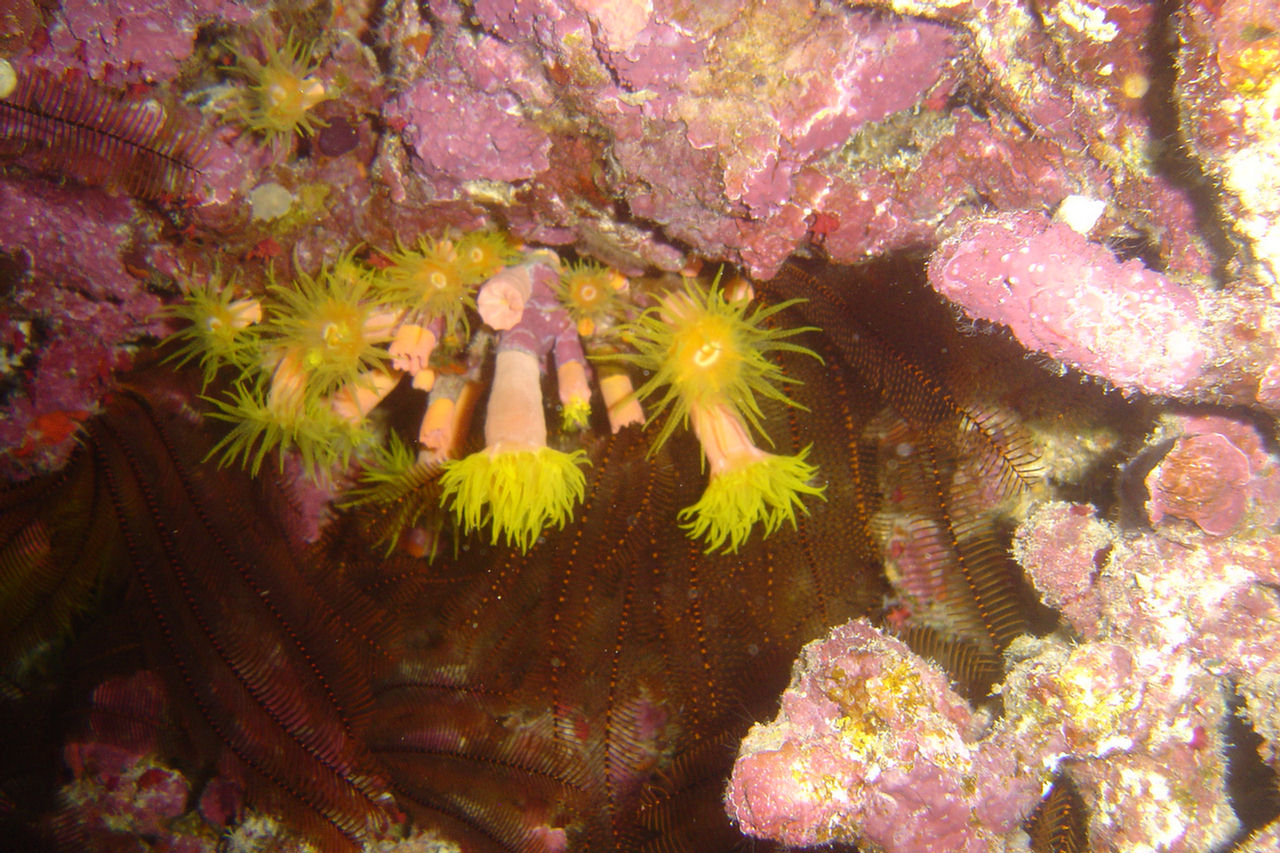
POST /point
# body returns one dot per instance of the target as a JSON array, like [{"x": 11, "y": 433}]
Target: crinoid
[
  {"x": 81, "y": 131},
  {"x": 266, "y": 671}
]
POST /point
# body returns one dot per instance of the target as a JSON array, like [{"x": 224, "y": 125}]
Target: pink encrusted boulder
[
  {"x": 1070, "y": 298},
  {"x": 117, "y": 797},
  {"x": 873, "y": 746},
  {"x": 1060, "y": 556},
  {"x": 465, "y": 118},
  {"x": 1215, "y": 475},
  {"x": 77, "y": 251},
  {"x": 130, "y": 40}
]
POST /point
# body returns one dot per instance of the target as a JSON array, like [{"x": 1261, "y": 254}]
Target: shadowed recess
[
  {"x": 587, "y": 695},
  {"x": 266, "y": 665},
  {"x": 608, "y": 674},
  {"x": 58, "y": 539},
  {"x": 274, "y": 671}
]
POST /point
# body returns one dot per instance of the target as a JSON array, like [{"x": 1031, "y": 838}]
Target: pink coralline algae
[
  {"x": 1073, "y": 300},
  {"x": 74, "y": 246},
  {"x": 752, "y": 113},
  {"x": 710, "y": 118},
  {"x": 871, "y": 745},
  {"x": 124, "y": 40},
  {"x": 118, "y": 796},
  {"x": 1202, "y": 480},
  {"x": 1070, "y": 298},
  {"x": 1216, "y": 472},
  {"x": 1194, "y": 606},
  {"x": 747, "y": 131},
  {"x": 464, "y": 118},
  {"x": 1229, "y": 90}
]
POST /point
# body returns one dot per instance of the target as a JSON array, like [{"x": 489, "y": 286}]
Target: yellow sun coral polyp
[
  {"x": 283, "y": 90},
  {"x": 592, "y": 294},
  {"x": 333, "y": 326},
  {"x": 219, "y": 330},
  {"x": 482, "y": 254},
  {"x": 705, "y": 359},
  {"x": 748, "y": 486},
  {"x": 705, "y": 350},
  {"x": 516, "y": 492},
  {"x": 429, "y": 279},
  {"x": 261, "y": 424},
  {"x": 713, "y": 359}
]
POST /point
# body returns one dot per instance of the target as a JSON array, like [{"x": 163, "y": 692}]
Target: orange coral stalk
[
  {"x": 288, "y": 383},
  {"x": 411, "y": 348},
  {"x": 447, "y": 419},
  {"x": 355, "y": 400},
  {"x": 620, "y": 400},
  {"x": 724, "y": 437},
  {"x": 514, "y": 416}
]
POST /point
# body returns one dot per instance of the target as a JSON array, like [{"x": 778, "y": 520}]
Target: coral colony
[{"x": 486, "y": 405}]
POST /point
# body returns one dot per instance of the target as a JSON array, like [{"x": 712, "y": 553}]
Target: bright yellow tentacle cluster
[
  {"x": 712, "y": 358},
  {"x": 515, "y": 493},
  {"x": 313, "y": 357},
  {"x": 766, "y": 491},
  {"x": 706, "y": 350},
  {"x": 283, "y": 89}
]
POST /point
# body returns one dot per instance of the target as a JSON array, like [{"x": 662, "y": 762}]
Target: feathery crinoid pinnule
[{"x": 81, "y": 131}]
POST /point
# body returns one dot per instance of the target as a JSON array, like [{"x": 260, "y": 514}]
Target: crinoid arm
[
  {"x": 766, "y": 490},
  {"x": 404, "y": 490},
  {"x": 517, "y": 492}
]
